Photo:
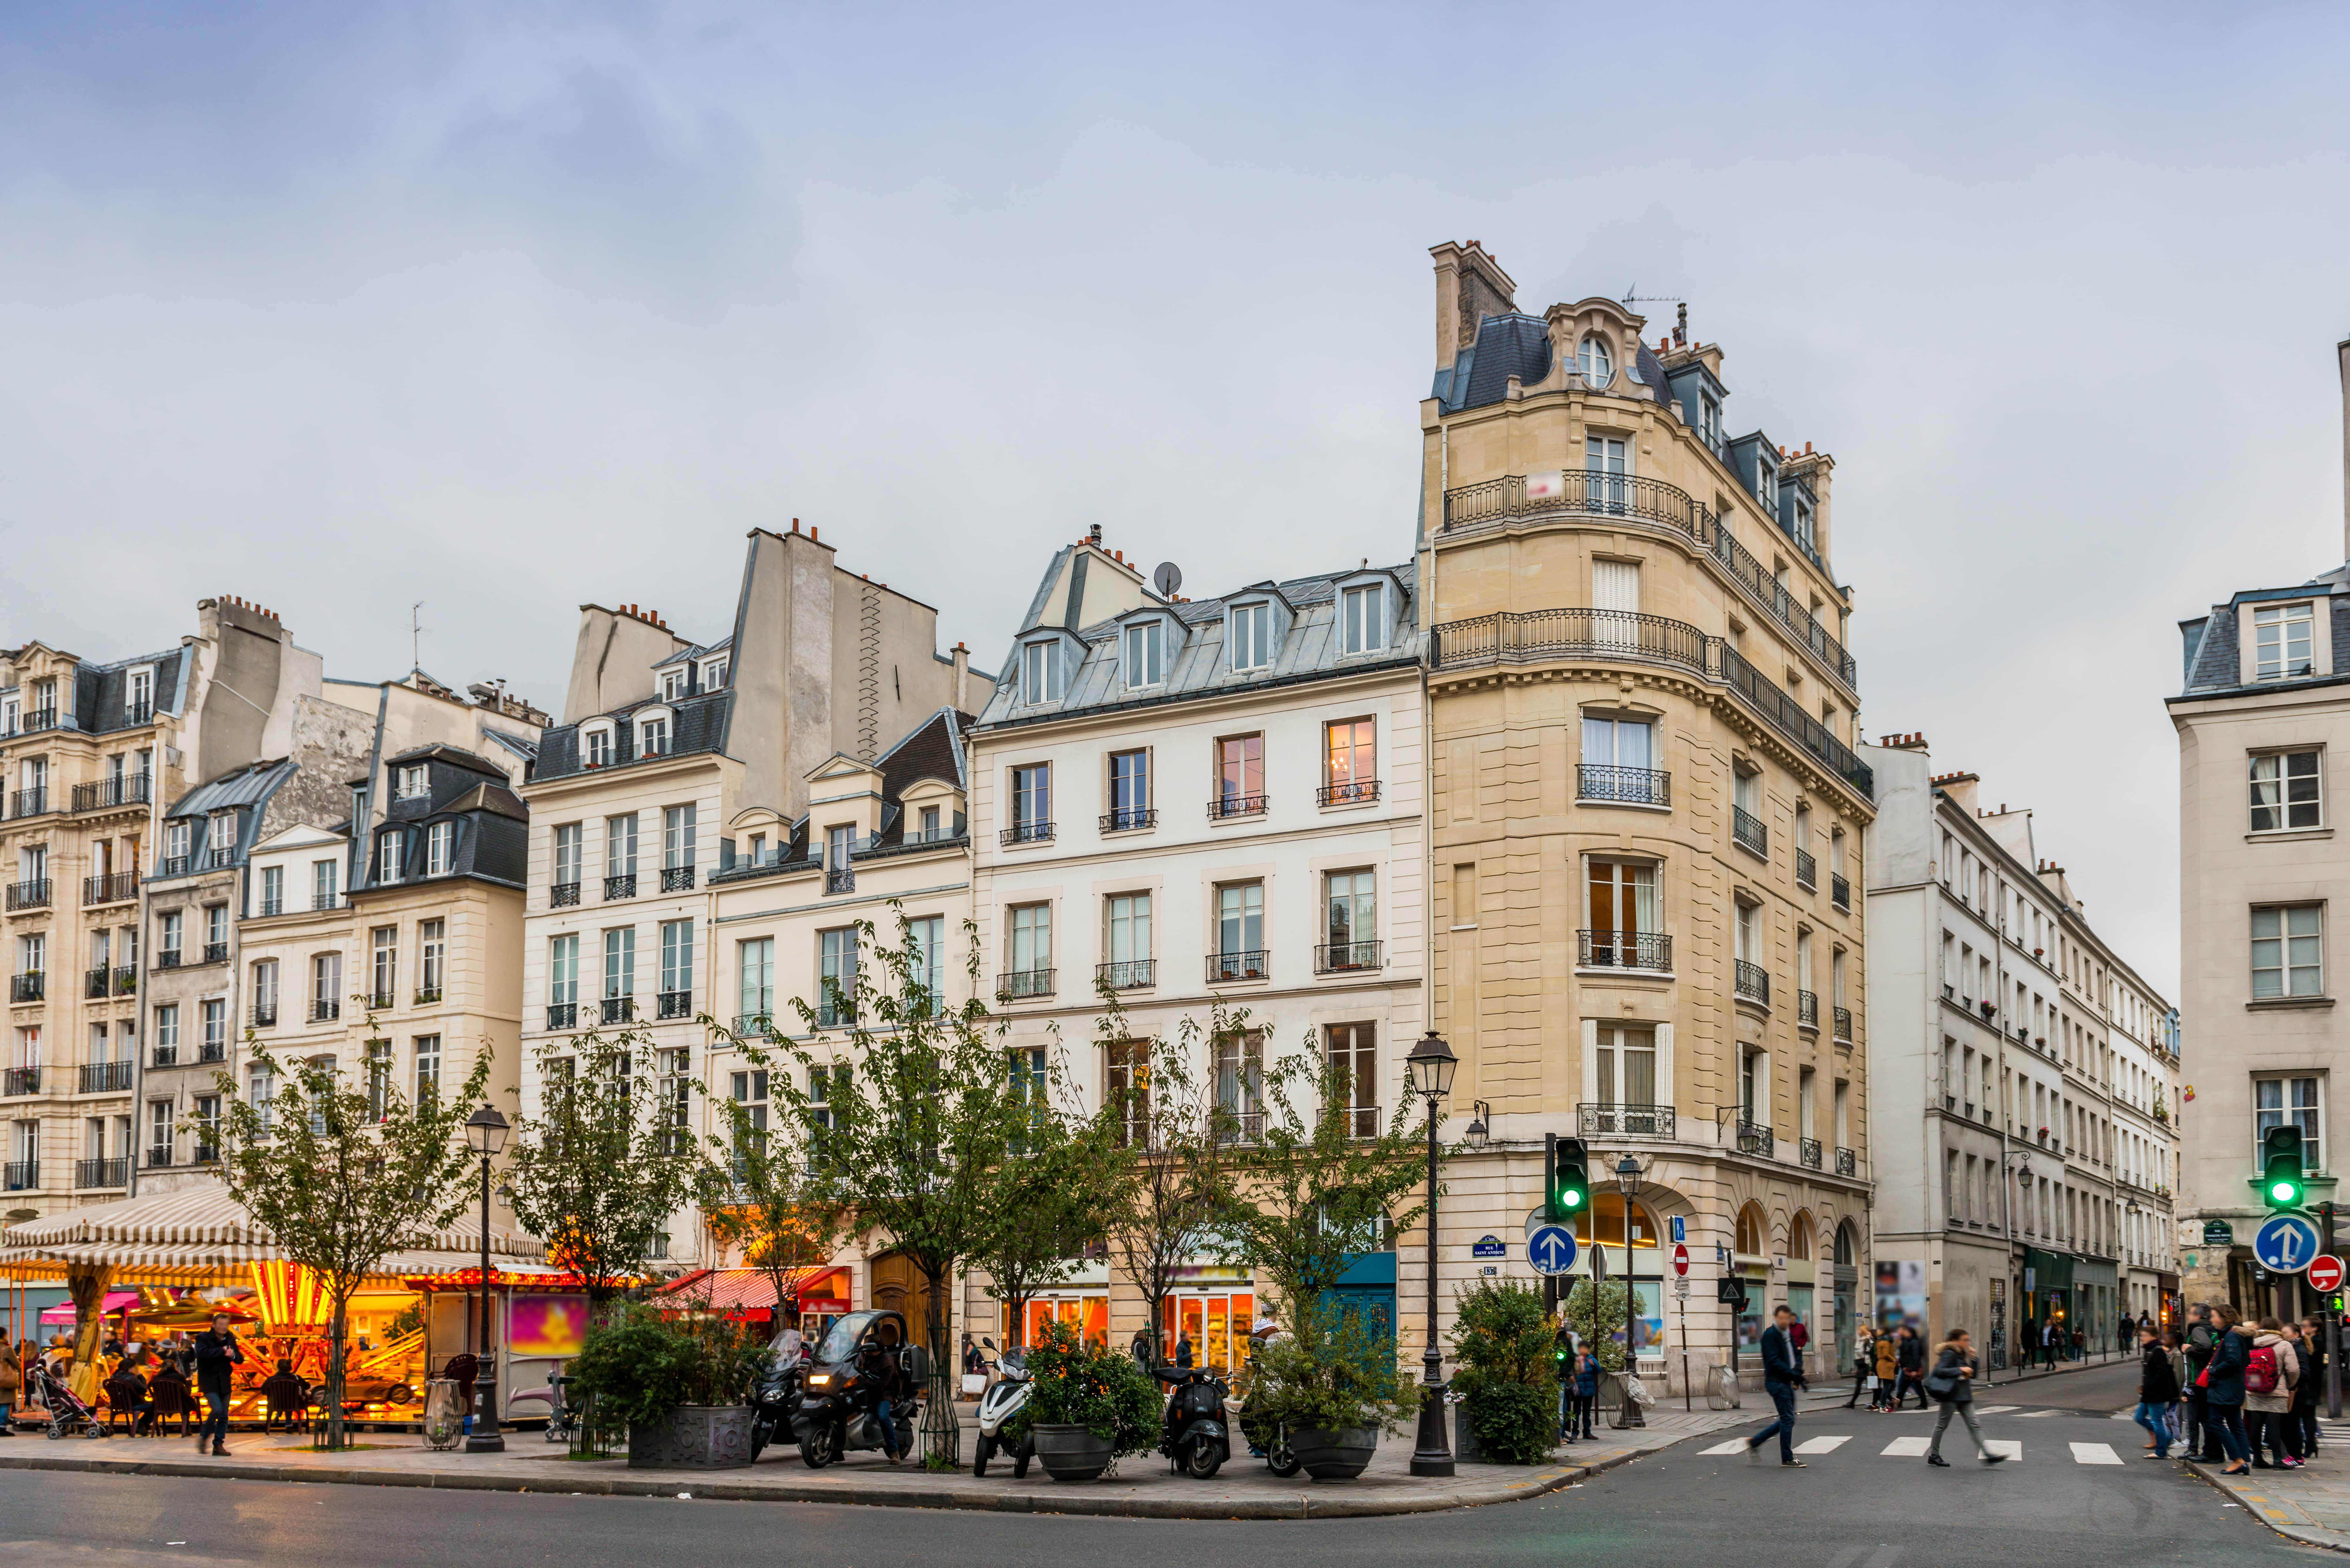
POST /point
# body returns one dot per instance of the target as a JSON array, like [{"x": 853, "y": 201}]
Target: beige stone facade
[{"x": 1645, "y": 813}]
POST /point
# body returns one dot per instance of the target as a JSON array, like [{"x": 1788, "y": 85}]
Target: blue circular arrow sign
[
  {"x": 1552, "y": 1250},
  {"x": 2285, "y": 1243}
]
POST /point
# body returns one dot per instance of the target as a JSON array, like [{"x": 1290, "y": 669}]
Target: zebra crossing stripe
[
  {"x": 2094, "y": 1454},
  {"x": 1731, "y": 1446},
  {"x": 2029, "y": 1414},
  {"x": 1822, "y": 1445},
  {"x": 1996, "y": 1409},
  {"x": 2005, "y": 1447},
  {"x": 1906, "y": 1448}
]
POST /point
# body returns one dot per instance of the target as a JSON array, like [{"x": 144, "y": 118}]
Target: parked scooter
[
  {"x": 865, "y": 1355},
  {"x": 774, "y": 1405},
  {"x": 1195, "y": 1437},
  {"x": 1007, "y": 1395}
]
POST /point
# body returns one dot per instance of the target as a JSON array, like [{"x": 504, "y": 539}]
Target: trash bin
[
  {"x": 1720, "y": 1387},
  {"x": 444, "y": 1410}
]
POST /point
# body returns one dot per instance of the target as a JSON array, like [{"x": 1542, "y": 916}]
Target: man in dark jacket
[
  {"x": 216, "y": 1352},
  {"x": 1782, "y": 1374},
  {"x": 2157, "y": 1387},
  {"x": 1913, "y": 1368},
  {"x": 2225, "y": 1391},
  {"x": 2202, "y": 1438}
]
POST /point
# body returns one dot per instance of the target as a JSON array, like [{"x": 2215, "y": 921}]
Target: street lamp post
[
  {"x": 485, "y": 1134},
  {"x": 1431, "y": 1063},
  {"x": 1628, "y": 1179}
]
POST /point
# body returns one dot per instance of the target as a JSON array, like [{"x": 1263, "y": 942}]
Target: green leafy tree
[
  {"x": 908, "y": 1109},
  {"x": 1507, "y": 1344},
  {"x": 1596, "y": 1312},
  {"x": 342, "y": 1174},
  {"x": 1048, "y": 1198},
  {"x": 602, "y": 1164},
  {"x": 754, "y": 1194}
]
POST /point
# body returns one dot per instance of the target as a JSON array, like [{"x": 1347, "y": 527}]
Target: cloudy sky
[{"x": 506, "y": 307}]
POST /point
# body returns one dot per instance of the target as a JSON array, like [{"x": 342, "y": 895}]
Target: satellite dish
[{"x": 1167, "y": 579}]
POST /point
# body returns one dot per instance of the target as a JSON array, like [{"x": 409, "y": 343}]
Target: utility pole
[{"x": 2332, "y": 1326}]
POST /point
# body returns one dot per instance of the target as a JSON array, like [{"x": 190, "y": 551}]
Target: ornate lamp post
[
  {"x": 485, "y": 1134},
  {"x": 1431, "y": 1063}
]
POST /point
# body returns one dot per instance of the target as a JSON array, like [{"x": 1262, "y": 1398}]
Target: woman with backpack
[
  {"x": 2270, "y": 1372},
  {"x": 2223, "y": 1388}
]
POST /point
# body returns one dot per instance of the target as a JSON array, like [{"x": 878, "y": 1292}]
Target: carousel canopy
[{"x": 201, "y": 1235}]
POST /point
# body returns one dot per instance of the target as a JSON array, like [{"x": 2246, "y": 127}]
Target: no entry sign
[
  {"x": 2325, "y": 1273},
  {"x": 1680, "y": 1260}
]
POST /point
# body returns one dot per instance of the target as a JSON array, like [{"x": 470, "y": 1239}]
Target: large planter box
[
  {"x": 694, "y": 1438},
  {"x": 1071, "y": 1453},
  {"x": 1334, "y": 1455}
]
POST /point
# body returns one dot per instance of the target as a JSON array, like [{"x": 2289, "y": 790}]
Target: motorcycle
[
  {"x": 774, "y": 1403},
  {"x": 840, "y": 1408},
  {"x": 1195, "y": 1440},
  {"x": 1003, "y": 1398}
]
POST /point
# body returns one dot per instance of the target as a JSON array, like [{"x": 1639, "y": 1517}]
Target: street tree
[
  {"x": 343, "y": 1173},
  {"x": 753, "y": 1190},
  {"x": 1048, "y": 1198}
]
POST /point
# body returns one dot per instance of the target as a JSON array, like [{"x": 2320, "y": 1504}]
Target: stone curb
[
  {"x": 1074, "y": 1502},
  {"x": 2210, "y": 1476}
]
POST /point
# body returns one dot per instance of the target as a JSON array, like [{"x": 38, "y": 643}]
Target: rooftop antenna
[
  {"x": 1633, "y": 297},
  {"x": 1167, "y": 579},
  {"x": 415, "y": 636}
]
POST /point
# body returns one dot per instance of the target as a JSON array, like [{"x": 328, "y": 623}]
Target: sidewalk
[
  {"x": 1144, "y": 1489},
  {"x": 2310, "y": 1505}
]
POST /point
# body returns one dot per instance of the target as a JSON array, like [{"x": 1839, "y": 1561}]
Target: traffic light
[
  {"x": 2281, "y": 1183},
  {"x": 1561, "y": 1345},
  {"x": 1567, "y": 1178}
]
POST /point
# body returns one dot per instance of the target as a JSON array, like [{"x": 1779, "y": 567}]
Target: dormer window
[
  {"x": 652, "y": 737},
  {"x": 1146, "y": 649},
  {"x": 388, "y": 858},
  {"x": 597, "y": 746},
  {"x": 1362, "y": 617},
  {"x": 1804, "y": 529},
  {"x": 1040, "y": 672},
  {"x": 1597, "y": 368},
  {"x": 439, "y": 848},
  {"x": 1708, "y": 422},
  {"x": 673, "y": 685},
  {"x": 1766, "y": 485},
  {"x": 408, "y": 782},
  {"x": 714, "y": 674},
  {"x": 139, "y": 694},
  {"x": 222, "y": 837},
  {"x": 1251, "y": 637},
  {"x": 2280, "y": 641}
]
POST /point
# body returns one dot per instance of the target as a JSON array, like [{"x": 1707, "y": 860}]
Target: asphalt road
[{"x": 1853, "y": 1507}]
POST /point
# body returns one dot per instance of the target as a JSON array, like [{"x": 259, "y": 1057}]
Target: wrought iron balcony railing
[
  {"x": 1609, "y": 1120},
  {"x": 215, "y": 952},
  {"x": 1354, "y": 792},
  {"x": 158, "y": 1157},
  {"x": 104, "y": 1077},
  {"x": 126, "y": 979},
  {"x": 1807, "y": 870},
  {"x": 1625, "y": 950},
  {"x": 427, "y": 996},
  {"x": 1843, "y": 1025},
  {"x": 1807, "y": 1009},
  {"x": 20, "y": 1175},
  {"x": 164, "y": 1056},
  {"x": 1128, "y": 819},
  {"x": 673, "y": 1004},
  {"x": 677, "y": 878},
  {"x": 563, "y": 1015},
  {"x": 123, "y": 789},
  {"x": 1338, "y": 958},
  {"x": 1847, "y": 1162},
  {"x": 562, "y": 895},
  {"x": 116, "y": 888},
  {"x": 1810, "y": 1151},
  {"x": 93, "y": 984},
  {"x": 1247, "y": 965},
  {"x": 619, "y": 1009},
  {"x": 840, "y": 879},
  {"x": 1755, "y": 1138},
  {"x": 21, "y": 1081},
  {"x": 1748, "y": 830},
  {"x": 325, "y": 1009},
  {"x": 1840, "y": 891},
  {"x": 1019, "y": 984},
  {"x": 1624, "y": 786},
  {"x": 30, "y": 986},
  {"x": 102, "y": 1172},
  {"x": 1225, "y": 805},
  {"x": 264, "y": 1015},
  {"x": 1753, "y": 982},
  {"x": 28, "y": 802},
  {"x": 33, "y": 895},
  {"x": 1033, "y": 832},
  {"x": 169, "y": 958},
  {"x": 1128, "y": 974},
  {"x": 620, "y": 887}
]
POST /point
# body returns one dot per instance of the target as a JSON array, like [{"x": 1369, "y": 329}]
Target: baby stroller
[{"x": 65, "y": 1408}]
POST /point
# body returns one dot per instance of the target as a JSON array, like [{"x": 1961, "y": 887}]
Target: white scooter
[{"x": 1007, "y": 1395}]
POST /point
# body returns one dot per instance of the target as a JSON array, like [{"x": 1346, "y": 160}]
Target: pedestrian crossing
[{"x": 1916, "y": 1447}]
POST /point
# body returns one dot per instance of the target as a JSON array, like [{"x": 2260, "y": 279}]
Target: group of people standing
[
  {"x": 2239, "y": 1391},
  {"x": 1889, "y": 1366}
]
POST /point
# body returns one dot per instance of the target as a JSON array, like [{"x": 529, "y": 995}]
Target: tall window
[
  {"x": 325, "y": 985},
  {"x": 432, "y": 950},
  {"x": 1129, "y": 790},
  {"x": 1240, "y": 931},
  {"x": 1604, "y": 470},
  {"x": 176, "y": 838},
  {"x": 1040, "y": 672},
  {"x": 171, "y": 942},
  {"x": 2287, "y": 951},
  {"x": 567, "y": 854},
  {"x": 756, "y": 966},
  {"x": 1251, "y": 636},
  {"x": 1354, "y": 1061},
  {"x": 1619, "y": 763},
  {"x": 1145, "y": 646},
  {"x": 379, "y": 1079},
  {"x": 1031, "y": 801},
  {"x": 323, "y": 878},
  {"x": 1624, "y": 922},
  {"x": 167, "y": 1031},
  {"x": 1130, "y": 939},
  {"x": 264, "y": 992},
  {"x": 1350, "y": 761},
  {"x": 676, "y": 966},
  {"x": 220, "y": 835},
  {"x": 273, "y": 889},
  {"x": 837, "y": 977},
  {"x": 389, "y": 857},
  {"x": 2284, "y": 792},
  {"x": 2282, "y": 1102},
  {"x": 1126, "y": 1088},
  {"x": 928, "y": 969},
  {"x": 213, "y": 1015},
  {"x": 428, "y": 1068},
  {"x": 1032, "y": 949},
  {"x": 619, "y": 963},
  {"x": 1353, "y": 927},
  {"x": 139, "y": 695},
  {"x": 620, "y": 845},
  {"x": 215, "y": 932},
  {"x": 748, "y": 1089},
  {"x": 563, "y": 971},
  {"x": 1239, "y": 1081},
  {"x": 383, "y": 965},
  {"x": 2280, "y": 641},
  {"x": 677, "y": 837},
  {"x": 1626, "y": 1069},
  {"x": 1362, "y": 618},
  {"x": 439, "y": 848},
  {"x": 1240, "y": 774},
  {"x": 261, "y": 1092}
]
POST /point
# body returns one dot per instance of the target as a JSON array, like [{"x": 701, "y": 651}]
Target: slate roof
[
  {"x": 2212, "y": 645},
  {"x": 1310, "y": 651},
  {"x": 1516, "y": 344},
  {"x": 936, "y": 748},
  {"x": 246, "y": 790},
  {"x": 698, "y": 723},
  {"x": 98, "y": 691}
]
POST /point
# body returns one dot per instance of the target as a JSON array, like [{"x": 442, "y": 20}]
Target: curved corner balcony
[
  {"x": 1570, "y": 494},
  {"x": 1536, "y": 637}
]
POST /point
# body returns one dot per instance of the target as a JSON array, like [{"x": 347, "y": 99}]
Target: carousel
[{"x": 144, "y": 1272}]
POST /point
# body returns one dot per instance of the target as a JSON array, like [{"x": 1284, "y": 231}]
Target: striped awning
[{"x": 198, "y": 1235}]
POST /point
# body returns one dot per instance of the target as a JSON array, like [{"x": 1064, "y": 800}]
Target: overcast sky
[{"x": 504, "y": 308}]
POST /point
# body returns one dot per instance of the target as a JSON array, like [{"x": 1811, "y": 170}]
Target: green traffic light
[
  {"x": 1570, "y": 1198},
  {"x": 2283, "y": 1191}
]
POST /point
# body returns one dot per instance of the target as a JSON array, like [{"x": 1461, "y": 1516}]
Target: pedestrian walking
[
  {"x": 1587, "y": 1392},
  {"x": 1913, "y": 1368},
  {"x": 2158, "y": 1386},
  {"x": 1889, "y": 1366},
  {"x": 1951, "y": 1383},
  {"x": 2312, "y": 1349},
  {"x": 216, "y": 1352},
  {"x": 2080, "y": 1345},
  {"x": 1863, "y": 1364},
  {"x": 2270, "y": 1374},
  {"x": 2202, "y": 1438},
  {"x": 2223, "y": 1388},
  {"x": 12, "y": 1378},
  {"x": 1782, "y": 1374}
]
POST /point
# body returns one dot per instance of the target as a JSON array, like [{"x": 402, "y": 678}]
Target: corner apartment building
[
  {"x": 2025, "y": 1077},
  {"x": 1199, "y": 805},
  {"x": 676, "y": 760},
  {"x": 92, "y": 753},
  {"x": 2263, "y": 722},
  {"x": 1646, "y": 812}
]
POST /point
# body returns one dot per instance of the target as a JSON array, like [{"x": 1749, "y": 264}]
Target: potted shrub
[
  {"x": 1091, "y": 1404},
  {"x": 1508, "y": 1349},
  {"x": 1334, "y": 1384},
  {"x": 682, "y": 1384}
]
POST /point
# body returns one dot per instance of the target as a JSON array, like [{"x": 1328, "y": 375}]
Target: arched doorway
[
  {"x": 1751, "y": 1258},
  {"x": 1803, "y": 1280},
  {"x": 1630, "y": 1231},
  {"x": 1847, "y": 1276}
]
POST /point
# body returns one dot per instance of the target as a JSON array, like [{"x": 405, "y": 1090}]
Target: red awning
[{"x": 751, "y": 1291}]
